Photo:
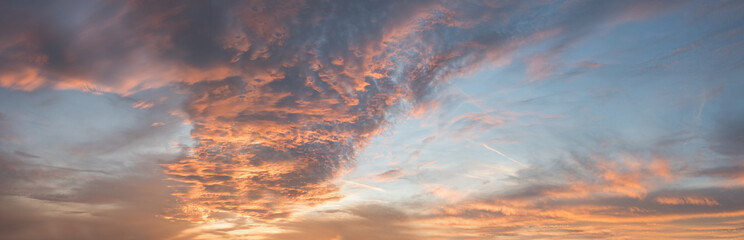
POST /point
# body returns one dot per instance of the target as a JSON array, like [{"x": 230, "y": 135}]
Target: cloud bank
[{"x": 282, "y": 96}]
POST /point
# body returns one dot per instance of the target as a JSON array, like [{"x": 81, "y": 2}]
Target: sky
[{"x": 354, "y": 120}]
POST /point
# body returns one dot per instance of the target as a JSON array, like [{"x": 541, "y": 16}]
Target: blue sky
[{"x": 372, "y": 120}]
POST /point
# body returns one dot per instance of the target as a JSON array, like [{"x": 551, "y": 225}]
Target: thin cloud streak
[
  {"x": 503, "y": 155},
  {"x": 363, "y": 185}
]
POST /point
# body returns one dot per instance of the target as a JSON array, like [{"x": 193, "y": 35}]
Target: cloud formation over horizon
[{"x": 254, "y": 115}]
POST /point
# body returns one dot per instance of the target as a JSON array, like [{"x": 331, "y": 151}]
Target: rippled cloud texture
[{"x": 371, "y": 120}]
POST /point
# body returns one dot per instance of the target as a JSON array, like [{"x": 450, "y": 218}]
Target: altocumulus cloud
[
  {"x": 281, "y": 94},
  {"x": 281, "y": 97}
]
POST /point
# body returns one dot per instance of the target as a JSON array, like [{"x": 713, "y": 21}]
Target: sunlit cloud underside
[{"x": 371, "y": 120}]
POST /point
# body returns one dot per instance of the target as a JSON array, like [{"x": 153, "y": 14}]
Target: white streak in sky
[
  {"x": 363, "y": 185},
  {"x": 502, "y": 154}
]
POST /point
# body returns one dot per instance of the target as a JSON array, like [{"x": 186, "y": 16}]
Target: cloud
[
  {"x": 86, "y": 171},
  {"x": 497, "y": 215},
  {"x": 120, "y": 206},
  {"x": 599, "y": 192},
  {"x": 688, "y": 200},
  {"x": 121, "y": 47},
  {"x": 589, "y": 18},
  {"x": 727, "y": 172},
  {"x": 728, "y": 137},
  {"x": 282, "y": 95},
  {"x": 468, "y": 124},
  {"x": 539, "y": 213},
  {"x": 276, "y": 134},
  {"x": 725, "y": 140},
  {"x": 372, "y": 221},
  {"x": 389, "y": 175}
]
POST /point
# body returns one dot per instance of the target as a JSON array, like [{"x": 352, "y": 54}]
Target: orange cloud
[
  {"x": 390, "y": 175},
  {"x": 282, "y": 95},
  {"x": 273, "y": 136},
  {"x": 687, "y": 201}
]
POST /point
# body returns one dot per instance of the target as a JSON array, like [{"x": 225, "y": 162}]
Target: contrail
[
  {"x": 363, "y": 185},
  {"x": 502, "y": 154}
]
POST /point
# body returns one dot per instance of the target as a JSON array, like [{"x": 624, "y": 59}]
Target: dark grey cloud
[
  {"x": 125, "y": 205},
  {"x": 728, "y": 137},
  {"x": 726, "y": 172},
  {"x": 331, "y": 77},
  {"x": 372, "y": 221},
  {"x": 283, "y": 94},
  {"x": 290, "y": 91}
]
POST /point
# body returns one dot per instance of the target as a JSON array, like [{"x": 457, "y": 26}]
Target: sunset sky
[{"x": 366, "y": 120}]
